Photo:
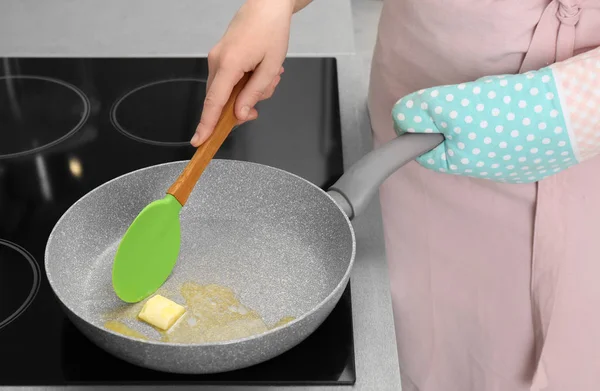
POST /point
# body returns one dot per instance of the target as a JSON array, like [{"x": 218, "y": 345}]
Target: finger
[
  {"x": 271, "y": 89},
  {"x": 216, "y": 97},
  {"x": 259, "y": 82},
  {"x": 213, "y": 65},
  {"x": 251, "y": 116},
  {"x": 209, "y": 80}
]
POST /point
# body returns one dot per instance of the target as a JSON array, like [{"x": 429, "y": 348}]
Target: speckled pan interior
[{"x": 278, "y": 241}]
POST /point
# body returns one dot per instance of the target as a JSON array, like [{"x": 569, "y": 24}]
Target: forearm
[{"x": 511, "y": 128}]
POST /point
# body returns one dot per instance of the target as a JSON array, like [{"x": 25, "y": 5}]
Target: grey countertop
[{"x": 189, "y": 28}]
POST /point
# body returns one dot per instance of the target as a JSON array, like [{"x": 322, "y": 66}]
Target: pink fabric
[{"x": 495, "y": 287}]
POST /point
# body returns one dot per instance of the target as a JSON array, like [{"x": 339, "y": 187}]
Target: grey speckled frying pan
[{"x": 284, "y": 246}]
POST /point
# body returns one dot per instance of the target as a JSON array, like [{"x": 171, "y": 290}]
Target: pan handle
[{"x": 353, "y": 191}]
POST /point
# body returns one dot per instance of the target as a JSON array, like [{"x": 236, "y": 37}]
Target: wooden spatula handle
[{"x": 183, "y": 186}]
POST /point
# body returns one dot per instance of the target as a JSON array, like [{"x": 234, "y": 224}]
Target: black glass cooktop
[{"x": 69, "y": 125}]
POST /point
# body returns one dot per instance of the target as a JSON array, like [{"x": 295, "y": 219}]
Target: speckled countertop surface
[{"x": 341, "y": 28}]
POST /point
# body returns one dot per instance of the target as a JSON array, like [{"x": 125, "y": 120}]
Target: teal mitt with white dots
[{"x": 511, "y": 128}]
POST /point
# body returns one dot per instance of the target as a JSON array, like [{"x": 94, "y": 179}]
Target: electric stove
[{"x": 68, "y": 125}]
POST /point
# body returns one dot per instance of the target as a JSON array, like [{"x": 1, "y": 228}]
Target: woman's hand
[
  {"x": 256, "y": 40},
  {"x": 511, "y": 128}
]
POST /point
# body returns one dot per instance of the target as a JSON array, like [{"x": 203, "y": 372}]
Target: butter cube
[{"x": 161, "y": 312}]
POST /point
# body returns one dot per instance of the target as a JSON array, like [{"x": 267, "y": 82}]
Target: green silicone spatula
[{"x": 149, "y": 250}]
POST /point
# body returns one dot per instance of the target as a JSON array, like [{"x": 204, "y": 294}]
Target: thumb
[
  {"x": 412, "y": 114},
  {"x": 257, "y": 86}
]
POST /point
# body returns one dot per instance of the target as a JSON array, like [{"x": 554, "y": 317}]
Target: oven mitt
[{"x": 511, "y": 128}]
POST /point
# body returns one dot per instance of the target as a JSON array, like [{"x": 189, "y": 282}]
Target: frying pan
[{"x": 283, "y": 245}]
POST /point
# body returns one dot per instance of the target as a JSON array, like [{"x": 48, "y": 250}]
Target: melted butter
[
  {"x": 122, "y": 328},
  {"x": 283, "y": 322},
  {"x": 213, "y": 314}
]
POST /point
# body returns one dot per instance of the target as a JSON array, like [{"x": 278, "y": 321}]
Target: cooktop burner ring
[
  {"x": 83, "y": 117},
  {"x": 129, "y": 133},
  {"x": 35, "y": 282}
]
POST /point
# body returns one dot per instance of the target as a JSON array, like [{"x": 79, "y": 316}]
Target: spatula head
[{"x": 148, "y": 251}]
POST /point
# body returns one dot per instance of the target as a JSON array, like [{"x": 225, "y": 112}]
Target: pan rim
[{"x": 342, "y": 284}]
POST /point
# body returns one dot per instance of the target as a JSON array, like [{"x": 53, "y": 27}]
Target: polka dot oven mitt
[{"x": 511, "y": 128}]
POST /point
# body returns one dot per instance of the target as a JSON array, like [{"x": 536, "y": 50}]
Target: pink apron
[{"x": 495, "y": 287}]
